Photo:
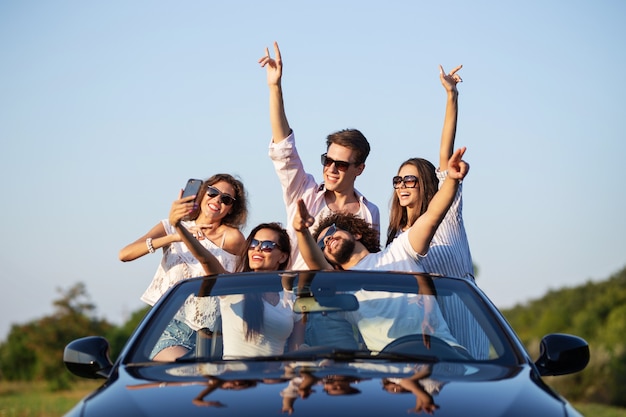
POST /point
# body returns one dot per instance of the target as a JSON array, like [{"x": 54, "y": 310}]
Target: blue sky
[{"x": 107, "y": 108}]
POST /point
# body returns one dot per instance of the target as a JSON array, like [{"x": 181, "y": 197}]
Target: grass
[
  {"x": 599, "y": 410},
  {"x": 34, "y": 399},
  {"x": 23, "y": 399}
]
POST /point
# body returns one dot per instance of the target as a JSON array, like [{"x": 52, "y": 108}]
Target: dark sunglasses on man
[
  {"x": 341, "y": 165},
  {"x": 331, "y": 231}
]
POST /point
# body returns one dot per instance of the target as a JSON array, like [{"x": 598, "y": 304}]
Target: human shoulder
[{"x": 234, "y": 240}]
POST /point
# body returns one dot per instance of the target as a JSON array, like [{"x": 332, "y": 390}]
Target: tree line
[
  {"x": 34, "y": 351},
  {"x": 594, "y": 311}
]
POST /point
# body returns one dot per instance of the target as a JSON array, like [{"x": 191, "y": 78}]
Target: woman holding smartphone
[{"x": 214, "y": 217}]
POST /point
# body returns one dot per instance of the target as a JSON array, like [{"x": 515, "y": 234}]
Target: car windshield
[{"x": 325, "y": 314}]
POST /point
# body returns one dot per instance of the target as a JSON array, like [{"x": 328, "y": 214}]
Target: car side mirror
[
  {"x": 88, "y": 357},
  {"x": 562, "y": 354}
]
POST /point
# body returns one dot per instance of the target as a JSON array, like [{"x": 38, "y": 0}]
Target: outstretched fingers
[
  {"x": 276, "y": 51},
  {"x": 454, "y": 71},
  {"x": 267, "y": 59},
  {"x": 452, "y": 76}
]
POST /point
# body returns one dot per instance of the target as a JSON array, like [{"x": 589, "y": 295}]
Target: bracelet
[{"x": 149, "y": 245}]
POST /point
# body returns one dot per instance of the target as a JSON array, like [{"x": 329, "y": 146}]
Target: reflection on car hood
[{"x": 261, "y": 389}]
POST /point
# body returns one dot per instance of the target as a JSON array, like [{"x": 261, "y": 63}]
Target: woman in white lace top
[{"x": 215, "y": 216}]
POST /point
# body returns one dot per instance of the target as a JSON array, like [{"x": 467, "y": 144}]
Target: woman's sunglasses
[
  {"x": 331, "y": 231},
  {"x": 341, "y": 165},
  {"x": 225, "y": 198},
  {"x": 263, "y": 245},
  {"x": 410, "y": 181}
]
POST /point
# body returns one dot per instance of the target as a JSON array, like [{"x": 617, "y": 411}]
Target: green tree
[
  {"x": 35, "y": 350},
  {"x": 118, "y": 336},
  {"x": 595, "y": 311}
]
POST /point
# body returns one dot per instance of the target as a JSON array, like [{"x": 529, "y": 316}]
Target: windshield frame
[{"x": 328, "y": 283}]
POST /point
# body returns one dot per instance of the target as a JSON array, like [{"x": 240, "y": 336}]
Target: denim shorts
[
  {"x": 330, "y": 329},
  {"x": 176, "y": 333}
]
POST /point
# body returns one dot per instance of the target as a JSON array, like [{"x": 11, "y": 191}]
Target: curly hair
[
  {"x": 427, "y": 185},
  {"x": 370, "y": 238},
  {"x": 238, "y": 214}
]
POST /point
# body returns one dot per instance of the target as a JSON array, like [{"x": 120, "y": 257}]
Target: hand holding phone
[{"x": 192, "y": 188}]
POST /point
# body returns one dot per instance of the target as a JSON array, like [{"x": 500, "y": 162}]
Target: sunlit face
[
  {"x": 408, "y": 197},
  {"x": 336, "y": 180},
  {"x": 338, "y": 386},
  {"x": 213, "y": 208},
  {"x": 338, "y": 246},
  {"x": 260, "y": 260}
]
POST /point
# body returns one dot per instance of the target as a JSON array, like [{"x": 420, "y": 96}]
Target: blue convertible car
[{"x": 332, "y": 343}]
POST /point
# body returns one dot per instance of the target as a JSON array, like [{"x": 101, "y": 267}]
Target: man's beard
[{"x": 346, "y": 248}]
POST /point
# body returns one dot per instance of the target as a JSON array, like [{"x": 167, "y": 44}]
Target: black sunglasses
[
  {"x": 410, "y": 181},
  {"x": 341, "y": 165},
  {"x": 225, "y": 198},
  {"x": 263, "y": 245},
  {"x": 331, "y": 231}
]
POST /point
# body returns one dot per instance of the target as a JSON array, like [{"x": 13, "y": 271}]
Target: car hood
[{"x": 261, "y": 389}]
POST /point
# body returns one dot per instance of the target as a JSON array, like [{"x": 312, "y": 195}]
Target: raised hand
[
  {"x": 181, "y": 207},
  {"x": 450, "y": 80},
  {"x": 274, "y": 66},
  {"x": 457, "y": 168},
  {"x": 302, "y": 220}
]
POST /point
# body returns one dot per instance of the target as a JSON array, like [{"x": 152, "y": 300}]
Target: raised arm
[
  {"x": 423, "y": 230},
  {"x": 155, "y": 239},
  {"x": 278, "y": 118},
  {"x": 449, "y": 82},
  {"x": 209, "y": 262},
  {"x": 311, "y": 253}
]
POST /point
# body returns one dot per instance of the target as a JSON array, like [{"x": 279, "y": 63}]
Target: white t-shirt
[
  {"x": 383, "y": 317},
  {"x": 398, "y": 256},
  {"x": 278, "y": 323}
]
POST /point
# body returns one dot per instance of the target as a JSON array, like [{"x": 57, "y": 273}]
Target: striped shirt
[{"x": 449, "y": 255}]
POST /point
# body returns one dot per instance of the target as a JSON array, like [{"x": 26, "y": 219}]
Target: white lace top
[{"x": 178, "y": 264}]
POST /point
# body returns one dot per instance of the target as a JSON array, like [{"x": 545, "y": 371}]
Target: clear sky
[{"x": 107, "y": 108}]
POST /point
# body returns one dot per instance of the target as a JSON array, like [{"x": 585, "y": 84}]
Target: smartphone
[{"x": 192, "y": 188}]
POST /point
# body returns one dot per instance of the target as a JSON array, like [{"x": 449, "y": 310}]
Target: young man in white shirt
[{"x": 343, "y": 162}]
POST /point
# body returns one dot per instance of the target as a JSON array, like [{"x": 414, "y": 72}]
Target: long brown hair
[
  {"x": 253, "y": 302},
  {"x": 427, "y": 187}
]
